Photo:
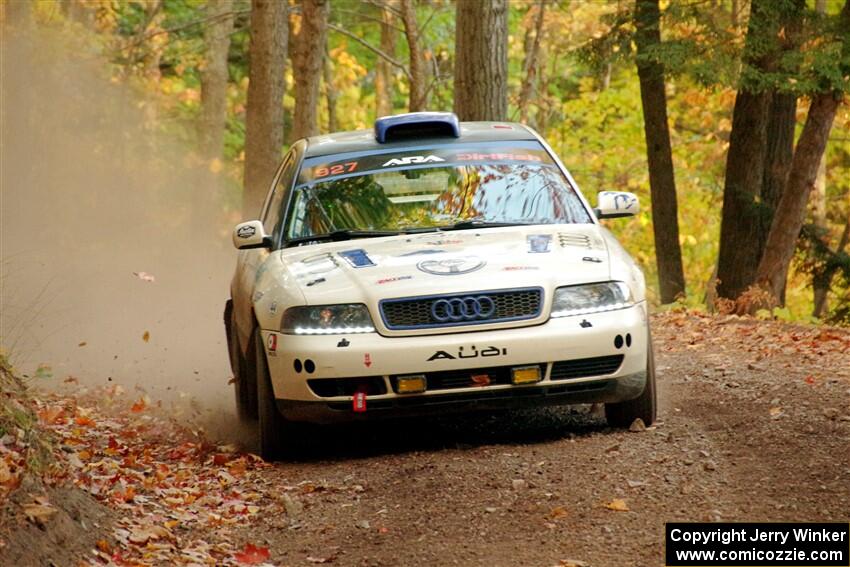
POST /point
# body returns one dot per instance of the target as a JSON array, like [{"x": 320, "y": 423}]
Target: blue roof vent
[{"x": 416, "y": 125}]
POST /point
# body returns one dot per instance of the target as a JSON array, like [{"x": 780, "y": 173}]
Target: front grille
[
  {"x": 417, "y": 312},
  {"x": 330, "y": 387},
  {"x": 585, "y": 367},
  {"x": 451, "y": 379}
]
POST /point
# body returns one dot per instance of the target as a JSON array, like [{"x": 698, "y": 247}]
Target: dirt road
[{"x": 754, "y": 425}]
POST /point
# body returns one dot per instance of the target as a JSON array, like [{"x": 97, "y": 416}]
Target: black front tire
[
  {"x": 244, "y": 385},
  {"x": 274, "y": 431},
  {"x": 623, "y": 414}
]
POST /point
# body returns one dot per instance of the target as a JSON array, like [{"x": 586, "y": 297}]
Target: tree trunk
[
  {"x": 330, "y": 93},
  {"x": 481, "y": 64},
  {"x": 662, "y": 182},
  {"x": 264, "y": 107},
  {"x": 740, "y": 226},
  {"x": 530, "y": 64},
  {"x": 791, "y": 212},
  {"x": 781, "y": 125},
  {"x": 773, "y": 268},
  {"x": 383, "y": 69},
  {"x": 214, "y": 77},
  {"x": 418, "y": 68},
  {"x": 781, "y": 122},
  {"x": 307, "y": 56},
  {"x": 823, "y": 281}
]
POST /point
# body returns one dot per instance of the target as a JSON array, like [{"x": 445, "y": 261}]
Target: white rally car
[{"x": 433, "y": 266}]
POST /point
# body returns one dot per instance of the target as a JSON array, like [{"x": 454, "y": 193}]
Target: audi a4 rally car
[{"x": 432, "y": 266}]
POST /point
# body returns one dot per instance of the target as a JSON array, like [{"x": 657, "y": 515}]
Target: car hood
[{"x": 368, "y": 270}]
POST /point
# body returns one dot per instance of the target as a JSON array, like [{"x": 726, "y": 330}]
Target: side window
[{"x": 274, "y": 208}]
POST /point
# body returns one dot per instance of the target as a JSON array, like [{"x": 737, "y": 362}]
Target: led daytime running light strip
[
  {"x": 333, "y": 330},
  {"x": 589, "y": 310}
]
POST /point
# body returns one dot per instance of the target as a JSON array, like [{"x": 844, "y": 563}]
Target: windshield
[{"x": 431, "y": 189}]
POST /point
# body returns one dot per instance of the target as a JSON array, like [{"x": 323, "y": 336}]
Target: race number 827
[{"x": 337, "y": 169}]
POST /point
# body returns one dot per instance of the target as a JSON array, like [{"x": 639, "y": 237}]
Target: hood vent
[{"x": 577, "y": 240}]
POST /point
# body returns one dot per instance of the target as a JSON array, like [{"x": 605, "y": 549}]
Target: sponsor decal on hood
[
  {"x": 539, "y": 243},
  {"x": 357, "y": 258},
  {"x": 451, "y": 266}
]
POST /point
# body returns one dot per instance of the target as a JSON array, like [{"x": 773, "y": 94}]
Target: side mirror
[
  {"x": 616, "y": 204},
  {"x": 250, "y": 234}
]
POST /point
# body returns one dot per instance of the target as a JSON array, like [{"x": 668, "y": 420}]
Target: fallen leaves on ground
[
  {"x": 178, "y": 496},
  {"x": 618, "y": 505},
  {"x": 252, "y": 555},
  {"x": 180, "y": 500}
]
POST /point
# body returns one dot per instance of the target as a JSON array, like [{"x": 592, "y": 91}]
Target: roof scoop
[{"x": 416, "y": 125}]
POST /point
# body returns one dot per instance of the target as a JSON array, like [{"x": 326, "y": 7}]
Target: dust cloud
[{"x": 91, "y": 191}]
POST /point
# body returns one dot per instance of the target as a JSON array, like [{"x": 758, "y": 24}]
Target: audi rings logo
[
  {"x": 451, "y": 266},
  {"x": 470, "y": 308}
]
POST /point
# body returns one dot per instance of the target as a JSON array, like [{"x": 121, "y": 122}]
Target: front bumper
[{"x": 301, "y": 365}]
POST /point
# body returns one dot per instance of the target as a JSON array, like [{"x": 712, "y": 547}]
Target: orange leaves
[
  {"x": 51, "y": 415},
  {"x": 618, "y": 505},
  {"x": 252, "y": 555},
  {"x": 127, "y": 495},
  {"x": 143, "y": 535},
  {"x": 161, "y": 476},
  {"x": 83, "y": 421},
  {"x": 10, "y": 472}
]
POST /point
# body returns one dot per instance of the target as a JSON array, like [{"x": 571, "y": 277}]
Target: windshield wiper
[
  {"x": 473, "y": 223},
  {"x": 339, "y": 235}
]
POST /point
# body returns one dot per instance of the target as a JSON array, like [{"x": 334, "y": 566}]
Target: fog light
[
  {"x": 411, "y": 384},
  {"x": 525, "y": 374}
]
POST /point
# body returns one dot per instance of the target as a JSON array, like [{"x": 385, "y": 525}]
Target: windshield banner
[{"x": 316, "y": 169}]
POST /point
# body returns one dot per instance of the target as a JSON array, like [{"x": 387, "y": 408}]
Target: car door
[{"x": 251, "y": 261}]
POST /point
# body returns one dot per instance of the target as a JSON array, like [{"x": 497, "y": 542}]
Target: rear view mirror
[
  {"x": 616, "y": 204},
  {"x": 250, "y": 234}
]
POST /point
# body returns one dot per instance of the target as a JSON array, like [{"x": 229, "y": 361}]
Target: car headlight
[
  {"x": 590, "y": 298},
  {"x": 327, "y": 320}
]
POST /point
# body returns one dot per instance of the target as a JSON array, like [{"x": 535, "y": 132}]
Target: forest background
[{"x": 236, "y": 81}]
